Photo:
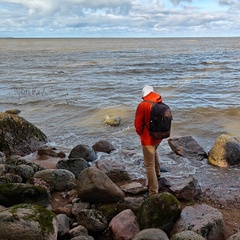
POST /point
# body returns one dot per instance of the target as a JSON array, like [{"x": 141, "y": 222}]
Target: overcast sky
[{"x": 119, "y": 18}]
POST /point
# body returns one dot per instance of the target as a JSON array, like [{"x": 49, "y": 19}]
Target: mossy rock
[
  {"x": 27, "y": 221},
  {"x": 159, "y": 211},
  {"x": 18, "y": 136},
  {"x": 16, "y": 193}
]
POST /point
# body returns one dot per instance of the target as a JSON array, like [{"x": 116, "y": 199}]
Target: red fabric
[{"x": 142, "y": 119}]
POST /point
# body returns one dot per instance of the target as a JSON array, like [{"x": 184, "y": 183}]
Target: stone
[
  {"x": 159, "y": 211},
  {"x": 15, "y": 193},
  {"x": 202, "y": 219},
  {"x": 94, "y": 186},
  {"x": 92, "y": 219},
  {"x": 73, "y": 165},
  {"x": 28, "y": 221},
  {"x": 58, "y": 179},
  {"x": 187, "y": 147},
  {"x": 235, "y": 236},
  {"x": 63, "y": 225},
  {"x": 124, "y": 225},
  {"x": 103, "y": 146},
  {"x": 83, "y": 151},
  {"x": 132, "y": 203},
  {"x": 187, "y": 235},
  {"x": 112, "y": 120},
  {"x": 225, "y": 152},
  {"x": 151, "y": 234},
  {"x": 133, "y": 188},
  {"x": 18, "y": 136},
  {"x": 186, "y": 189}
]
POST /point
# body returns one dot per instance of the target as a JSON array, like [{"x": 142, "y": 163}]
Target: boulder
[
  {"x": 225, "y": 152},
  {"x": 15, "y": 193},
  {"x": 92, "y": 219},
  {"x": 186, "y": 189},
  {"x": 151, "y": 234},
  {"x": 133, "y": 203},
  {"x": 187, "y": 147},
  {"x": 18, "y": 136},
  {"x": 63, "y": 225},
  {"x": 189, "y": 235},
  {"x": 159, "y": 211},
  {"x": 103, "y": 146},
  {"x": 124, "y": 225},
  {"x": 133, "y": 188},
  {"x": 235, "y": 236},
  {"x": 95, "y": 186},
  {"x": 27, "y": 221},
  {"x": 202, "y": 219},
  {"x": 112, "y": 120},
  {"x": 58, "y": 179},
  {"x": 83, "y": 151},
  {"x": 74, "y": 165}
]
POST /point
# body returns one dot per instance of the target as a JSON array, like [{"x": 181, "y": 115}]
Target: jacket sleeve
[{"x": 139, "y": 119}]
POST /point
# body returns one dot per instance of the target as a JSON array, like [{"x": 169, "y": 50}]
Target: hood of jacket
[{"x": 152, "y": 96}]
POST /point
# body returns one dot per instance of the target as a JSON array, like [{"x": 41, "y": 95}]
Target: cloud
[{"x": 141, "y": 18}]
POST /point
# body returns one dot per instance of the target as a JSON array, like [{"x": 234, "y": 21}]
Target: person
[{"x": 149, "y": 144}]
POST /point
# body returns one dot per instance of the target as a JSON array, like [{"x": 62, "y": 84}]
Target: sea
[{"x": 67, "y": 87}]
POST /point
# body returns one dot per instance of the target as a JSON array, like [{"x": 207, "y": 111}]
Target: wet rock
[
  {"x": 78, "y": 231},
  {"x": 23, "y": 170},
  {"x": 189, "y": 235},
  {"x": 187, "y": 147},
  {"x": 63, "y": 225},
  {"x": 202, "y": 219},
  {"x": 112, "y": 120},
  {"x": 27, "y": 221},
  {"x": 15, "y": 193},
  {"x": 117, "y": 175},
  {"x": 18, "y": 136},
  {"x": 103, "y": 146},
  {"x": 124, "y": 225},
  {"x": 151, "y": 234},
  {"x": 10, "y": 178},
  {"x": 133, "y": 203},
  {"x": 83, "y": 151},
  {"x": 45, "y": 151},
  {"x": 186, "y": 189},
  {"x": 95, "y": 186},
  {"x": 58, "y": 179},
  {"x": 73, "y": 165},
  {"x": 2, "y": 157},
  {"x": 225, "y": 151},
  {"x": 92, "y": 220},
  {"x": 159, "y": 211},
  {"x": 133, "y": 188}
]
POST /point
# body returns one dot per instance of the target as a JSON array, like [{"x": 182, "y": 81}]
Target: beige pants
[{"x": 151, "y": 162}]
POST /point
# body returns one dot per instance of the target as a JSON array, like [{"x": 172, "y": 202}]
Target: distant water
[{"x": 66, "y": 87}]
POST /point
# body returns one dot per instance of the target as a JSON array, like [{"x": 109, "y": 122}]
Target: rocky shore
[{"x": 73, "y": 196}]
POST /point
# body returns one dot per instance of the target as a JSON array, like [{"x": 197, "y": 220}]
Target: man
[{"x": 149, "y": 144}]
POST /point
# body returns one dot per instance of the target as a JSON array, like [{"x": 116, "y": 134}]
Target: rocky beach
[{"x": 80, "y": 196}]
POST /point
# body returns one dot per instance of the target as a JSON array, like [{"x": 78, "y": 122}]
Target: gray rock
[
  {"x": 15, "y": 193},
  {"x": 63, "y": 225},
  {"x": 18, "y": 136},
  {"x": 187, "y": 235},
  {"x": 103, "y": 146},
  {"x": 151, "y": 234},
  {"x": 95, "y": 186},
  {"x": 83, "y": 151},
  {"x": 186, "y": 189},
  {"x": 187, "y": 147},
  {"x": 24, "y": 171},
  {"x": 27, "y": 221},
  {"x": 225, "y": 151},
  {"x": 132, "y": 203},
  {"x": 78, "y": 231},
  {"x": 58, "y": 179},
  {"x": 202, "y": 219},
  {"x": 92, "y": 219},
  {"x": 73, "y": 165}
]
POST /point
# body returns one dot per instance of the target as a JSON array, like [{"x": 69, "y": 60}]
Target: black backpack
[{"x": 160, "y": 120}]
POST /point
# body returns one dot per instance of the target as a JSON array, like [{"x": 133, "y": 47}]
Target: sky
[{"x": 119, "y": 18}]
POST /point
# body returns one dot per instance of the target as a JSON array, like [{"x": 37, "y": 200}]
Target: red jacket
[{"x": 142, "y": 119}]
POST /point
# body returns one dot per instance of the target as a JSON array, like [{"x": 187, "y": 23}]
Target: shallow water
[{"x": 66, "y": 87}]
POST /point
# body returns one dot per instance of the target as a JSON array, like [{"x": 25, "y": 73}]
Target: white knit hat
[{"x": 146, "y": 90}]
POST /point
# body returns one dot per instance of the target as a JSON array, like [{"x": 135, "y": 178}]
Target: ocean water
[{"x": 66, "y": 87}]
